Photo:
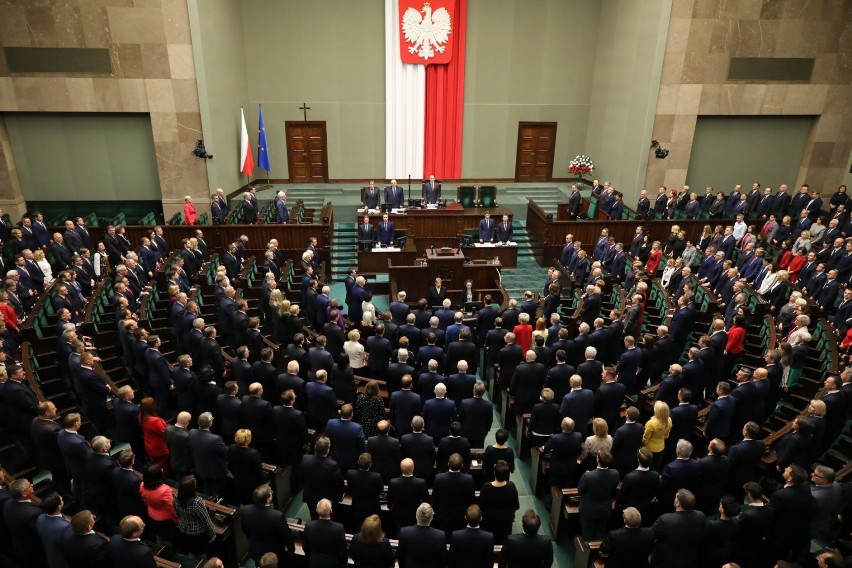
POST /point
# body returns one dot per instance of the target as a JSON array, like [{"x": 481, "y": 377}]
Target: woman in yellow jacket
[{"x": 657, "y": 430}]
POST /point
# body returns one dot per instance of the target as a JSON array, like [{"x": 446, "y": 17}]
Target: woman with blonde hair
[
  {"x": 369, "y": 547},
  {"x": 600, "y": 439},
  {"x": 654, "y": 259},
  {"x": 42, "y": 263},
  {"x": 705, "y": 238},
  {"x": 540, "y": 329},
  {"x": 657, "y": 431},
  {"x": 668, "y": 272},
  {"x": 245, "y": 464},
  {"x": 189, "y": 214},
  {"x": 355, "y": 351}
]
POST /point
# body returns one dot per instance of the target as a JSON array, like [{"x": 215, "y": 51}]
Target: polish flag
[{"x": 246, "y": 159}]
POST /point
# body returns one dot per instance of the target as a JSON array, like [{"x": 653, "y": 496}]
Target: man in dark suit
[
  {"x": 322, "y": 402},
  {"x": 347, "y": 439},
  {"x": 21, "y": 403},
  {"x": 597, "y": 489},
  {"x": 684, "y": 416},
  {"x": 44, "y": 432},
  {"x": 591, "y": 308},
  {"x": 528, "y": 549},
  {"x": 715, "y": 471},
  {"x": 371, "y": 196},
  {"x": 608, "y": 399},
  {"x": 321, "y": 476},
  {"x": 210, "y": 455},
  {"x": 629, "y": 547},
  {"x": 527, "y": 382},
  {"x": 451, "y": 445},
  {"x": 431, "y": 191},
  {"x": 100, "y": 467},
  {"x": 74, "y": 449},
  {"x": 266, "y": 527},
  {"x": 564, "y": 448},
  {"x": 504, "y": 230},
  {"x": 476, "y": 415},
  {"x": 639, "y": 487},
  {"x": 626, "y": 442},
  {"x": 126, "y": 482},
  {"x": 486, "y": 229},
  {"x": 384, "y": 451},
  {"x": 366, "y": 234},
  {"x": 721, "y": 414},
  {"x": 405, "y": 405},
  {"x": 422, "y": 546},
  {"x": 679, "y": 534},
  {"x": 751, "y": 544},
  {"x": 84, "y": 547},
  {"x": 227, "y": 407},
  {"x": 177, "y": 439},
  {"x": 682, "y": 473},
  {"x": 745, "y": 458},
  {"x": 394, "y": 196},
  {"x": 463, "y": 349},
  {"x": 249, "y": 209},
  {"x": 405, "y": 494},
  {"x": 471, "y": 546},
  {"x": 398, "y": 369},
  {"x": 379, "y": 349},
  {"x": 126, "y": 547},
  {"x": 291, "y": 430},
  {"x": 439, "y": 413},
  {"x": 419, "y": 447},
  {"x": 324, "y": 540},
  {"x": 365, "y": 487},
  {"x": 792, "y": 505},
  {"x": 20, "y": 515},
  {"x": 508, "y": 358},
  {"x": 385, "y": 231},
  {"x": 51, "y": 527},
  {"x": 578, "y": 405}
]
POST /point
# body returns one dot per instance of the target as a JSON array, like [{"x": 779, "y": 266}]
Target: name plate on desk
[
  {"x": 398, "y": 211},
  {"x": 386, "y": 249},
  {"x": 431, "y": 206},
  {"x": 494, "y": 245},
  {"x": 369, "y": 211}
]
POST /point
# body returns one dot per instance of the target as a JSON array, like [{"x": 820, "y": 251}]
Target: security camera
[{"x": 200, "y": 152}]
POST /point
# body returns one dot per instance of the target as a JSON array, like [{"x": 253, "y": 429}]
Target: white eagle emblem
[{"x": 427, "y": 32}]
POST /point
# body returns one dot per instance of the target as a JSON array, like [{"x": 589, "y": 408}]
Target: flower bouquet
[{"x": 581, "y": 166}]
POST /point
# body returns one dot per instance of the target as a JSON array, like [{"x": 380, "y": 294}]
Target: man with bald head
[
  {"x": 324, "y": 540},
  {"x": 177, "y": 439},
  {"x": 384, "y": 451},
  {"x": 405, "y": 494},
  {"x": 126, "y": 548}
]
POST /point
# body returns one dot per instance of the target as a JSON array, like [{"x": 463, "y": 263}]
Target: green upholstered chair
[
  {"x": 593, "y": 207},
  {"x": 466, "y": 195},
  {"x": 487, "y": 196}
]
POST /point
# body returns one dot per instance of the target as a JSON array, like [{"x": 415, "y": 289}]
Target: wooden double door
[
  {"x": 536, "y": 145},
  {"x": 307, "y": 151}
]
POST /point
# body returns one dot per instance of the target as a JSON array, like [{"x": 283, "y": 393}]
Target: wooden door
[
  {"x": 536, "y": 143},
  {"x": 307, "y": 151}
]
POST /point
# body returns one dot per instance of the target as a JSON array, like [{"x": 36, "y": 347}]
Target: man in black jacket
[
  {"x": 528, "y": 549},
  {"x": 452, "y": 493},
  {"x": 679, "y": 534},
  {"x": 44, "y": 432},
  {"x": 324, "y": 540},
  {"x": 177, "y": 439},
  {"x": 472, "y": 547},
  {"x": 321, "y": 476},
  {"x": 405, "y": 494},
  {"x": 639, "y": 487},
  {"x": 365, "y": 488},
  {"x": 384, "y": 451},
  {"x": 19, "y": 515},
  {"x": 629, "y": 547},
  {"x": 265, "y": 527},
  {"x": 83, "y": 547},
  {"x": 792, "y": 505},
  {"x": 126, "y": 548}
]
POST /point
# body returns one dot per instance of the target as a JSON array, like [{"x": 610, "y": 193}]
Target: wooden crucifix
[{"x": 305, "y": 108}]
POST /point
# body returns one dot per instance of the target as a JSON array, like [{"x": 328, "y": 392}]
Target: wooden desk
[
  {"x": 415, "y": 280},
  {"x": 446, "y": 222},
  {"x": 376, "y": 260}
]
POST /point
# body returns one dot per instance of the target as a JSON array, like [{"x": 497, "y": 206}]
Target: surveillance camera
[
  {"x": 200, "y": 152},
  {"x": 655, "y": 144},
  {"x": 661, "y": 153}
]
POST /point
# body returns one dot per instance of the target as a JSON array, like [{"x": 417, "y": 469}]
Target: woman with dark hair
[
  {"x": 551, "y": 302},
  {"x": 370, "y": 409},
  {"x": 705, "y": 238},
  {"x": 159, "y": 502},
  {"x": 369, "y": 547},
  {"x": 468, "y": 294},
  {"x": 497, "y": 452},
  {"x": 195, "y": 529},
  {"x": 735, "y": 344},
  {"x": 343, "y": 380},
  {"x": 498, "y": 500},
  {"x": 154, "y": 433},
  {"x": 644, "y": 248},
  {"x": 245, "y": 464}
]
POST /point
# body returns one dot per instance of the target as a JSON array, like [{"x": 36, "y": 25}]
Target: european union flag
[{"x": 262, "y": 149}]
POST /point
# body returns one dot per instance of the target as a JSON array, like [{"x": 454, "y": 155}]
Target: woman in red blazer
[
  {"x": 154, "y": 433},
  {"x": 523, "y": 332},
  {"x": 189, "y": 214},
  {"x": 735, "y": 344}
]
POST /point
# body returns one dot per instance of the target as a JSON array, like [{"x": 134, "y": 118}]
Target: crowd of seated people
[{"x": 372, "y": 409}]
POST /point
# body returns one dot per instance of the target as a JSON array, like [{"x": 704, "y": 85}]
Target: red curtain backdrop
[{"x": 445, "y": 107}]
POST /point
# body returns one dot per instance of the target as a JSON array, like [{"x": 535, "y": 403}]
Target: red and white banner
[
  {"x": 424, "y": 111},
  {"x": 246, "y": 158},
  {"x": 427, "y": 31}
]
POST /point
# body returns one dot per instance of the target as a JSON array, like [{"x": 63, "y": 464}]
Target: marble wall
[
  {"x": 704, "y": 35},
  {"x": 153, "y": 73}
]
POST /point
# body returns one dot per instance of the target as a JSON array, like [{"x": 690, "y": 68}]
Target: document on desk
[
  {"x": 495, "y": 245},
  {"x": 369, "y": 211},
  {"x": 386, "y": 249}
]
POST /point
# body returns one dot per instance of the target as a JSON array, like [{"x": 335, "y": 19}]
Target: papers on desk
[
  {"x": 386, "y": 249},
  {"x": 494, "y": 245},
  {"x": 398, "y": 211},
  {"x": 431, "y": 206},
  {"x": 369, "y": 211}
]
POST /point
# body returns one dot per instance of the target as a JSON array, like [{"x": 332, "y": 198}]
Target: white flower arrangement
[{"x": 581, "y": 166}]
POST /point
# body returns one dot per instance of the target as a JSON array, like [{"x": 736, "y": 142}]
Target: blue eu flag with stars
[{"x": 262, "y": 149}]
